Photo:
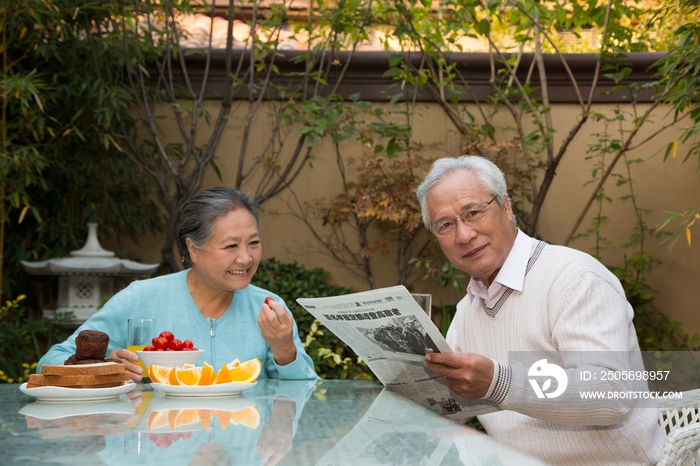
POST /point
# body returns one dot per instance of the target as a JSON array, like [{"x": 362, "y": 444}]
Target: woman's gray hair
[
  {"x": 493, "y": 178},
  {"x": 200, "y": 212}
]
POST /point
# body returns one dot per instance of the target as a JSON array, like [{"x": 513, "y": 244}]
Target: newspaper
[{"x": 392, "y": 334}]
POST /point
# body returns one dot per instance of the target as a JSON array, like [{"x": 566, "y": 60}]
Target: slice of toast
[
  {"x": 59, "y": 432},
  {"x": 103, "y": 368},
  {"x": 76, "y": 380},
  {"x": 99, "y": 385}
]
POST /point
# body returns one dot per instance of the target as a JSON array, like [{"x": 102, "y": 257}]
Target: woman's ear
[{"x": 192, "y": 250}]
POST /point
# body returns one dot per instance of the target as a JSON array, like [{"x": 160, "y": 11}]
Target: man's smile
[{"x": 474, "y": 252}]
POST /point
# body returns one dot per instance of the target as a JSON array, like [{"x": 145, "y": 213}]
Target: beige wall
[{"x": 659, "y": 185}]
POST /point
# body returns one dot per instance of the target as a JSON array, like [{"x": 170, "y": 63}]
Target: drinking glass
[
  {"x": 141, "y": 332},
  {"x": 136, "y": 443},
  {"x": 425, "y": 301}
]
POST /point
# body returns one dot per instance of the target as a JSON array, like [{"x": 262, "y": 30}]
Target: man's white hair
[{"x": 493, "y": 178}]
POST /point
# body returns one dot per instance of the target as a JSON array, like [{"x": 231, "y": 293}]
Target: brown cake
[
  {"x": 73, "y": 360},
  {"x": 91, "y": 344}
]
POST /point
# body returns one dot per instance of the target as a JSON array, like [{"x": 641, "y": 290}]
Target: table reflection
[
  {"x": 149, "y": 428},
  {"x": 276, "y": 422},
  {"x": 85, "y": 425},
  {"x": 394, "y": 432}
]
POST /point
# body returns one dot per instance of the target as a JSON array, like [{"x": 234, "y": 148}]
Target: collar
[{"x": 511, "y": 275}]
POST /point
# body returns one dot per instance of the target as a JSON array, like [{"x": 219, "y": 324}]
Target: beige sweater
[{"x": 572, "y": 304}]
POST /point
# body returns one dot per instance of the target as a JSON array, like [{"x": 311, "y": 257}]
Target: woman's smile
[{"x": 229, "y": 259}]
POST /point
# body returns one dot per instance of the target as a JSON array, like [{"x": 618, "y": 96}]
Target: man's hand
[
  {"x": 469, "y": 374},
  {"x": 126, "y": 356},
  {"x": 277, "y": 327}
]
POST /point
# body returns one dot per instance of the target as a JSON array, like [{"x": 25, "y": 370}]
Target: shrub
[
  {"x": 332, "y": 358},
  {"x": 20, "y": 337}
]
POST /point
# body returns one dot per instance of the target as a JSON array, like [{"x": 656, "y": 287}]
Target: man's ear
[{"x": 506, "y": 206}]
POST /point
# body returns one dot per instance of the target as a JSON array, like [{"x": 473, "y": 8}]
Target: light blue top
[{"x": 235, "y": 334}]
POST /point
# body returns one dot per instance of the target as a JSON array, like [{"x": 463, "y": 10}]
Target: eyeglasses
[{"x": 471, "y": 217}]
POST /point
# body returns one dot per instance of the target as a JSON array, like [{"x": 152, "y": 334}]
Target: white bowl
[{"x": 169, "y": 358}]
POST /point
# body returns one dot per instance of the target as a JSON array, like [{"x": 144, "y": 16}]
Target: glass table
[{"x": 331, "y": 422}]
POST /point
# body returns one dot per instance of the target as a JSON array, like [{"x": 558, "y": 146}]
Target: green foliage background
[
  {"x": 22, "y": 340},
  {"x": 332, "y": 358},
  {"x": 58, "y": 168}
]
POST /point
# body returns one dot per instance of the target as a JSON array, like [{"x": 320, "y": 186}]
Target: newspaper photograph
[{"x": 389, "y": 330}]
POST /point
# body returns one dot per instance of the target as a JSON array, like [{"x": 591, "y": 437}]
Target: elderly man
[{"x": 528, "y": 296}]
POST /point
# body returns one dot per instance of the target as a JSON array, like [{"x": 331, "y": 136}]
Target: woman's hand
[
  {"x": 124, "y": 355},
  {"x": 277, "y": 436},
  {"x": 277, "y": 327}
]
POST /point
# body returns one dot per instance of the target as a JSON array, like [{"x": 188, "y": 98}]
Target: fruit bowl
[{"x": 169, "y": 358}]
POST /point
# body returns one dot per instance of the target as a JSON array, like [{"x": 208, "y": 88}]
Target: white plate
[
  {"x": 229, "y": 403},
  {"x": 223, "y": 389},
  {"x": 174, "y": 405},
  {"x": 63, "y": 394},
  {"x": 49, "y": 411}
]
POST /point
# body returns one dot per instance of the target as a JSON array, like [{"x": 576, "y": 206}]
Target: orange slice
[
  {"x": 186, "y": 417},
  {"x": 247, "y": 372},
  {"x": 249, "y": 417},
  {"x": 159, "y": 374},
  {"x": 207, "y": 375},
  {"x": 157, "y": 419},
  {"x": 172, "y": 417},
  {"x": 235, "y": 363},
  {"x": 205, "y": 417},
  {"x": 187, "y": 375},
  {"x": 223, "y": 417},
  {"x": 172, "y": 376},
  {"x": 223, "y": 376}
]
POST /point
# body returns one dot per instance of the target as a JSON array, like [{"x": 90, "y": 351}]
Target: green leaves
[
  {"x": 321, "y": 116},
  {"x": 679, "y": 72},
  {"x": 332, "y": 358},
  {"x": 60, "y": 166},
  {"x": 655, "y": 330},
  {"x": 620, "y": 75},
  {"x": 20, "y": 335},
  {"x": 483, "y": 27},
  {"x": 395, "y": 59}
]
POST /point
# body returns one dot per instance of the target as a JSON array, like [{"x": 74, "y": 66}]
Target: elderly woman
[{"x": 212, "y": 303}]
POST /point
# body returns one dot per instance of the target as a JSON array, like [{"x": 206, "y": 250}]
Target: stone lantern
[{"x": 86, "y": 278}]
